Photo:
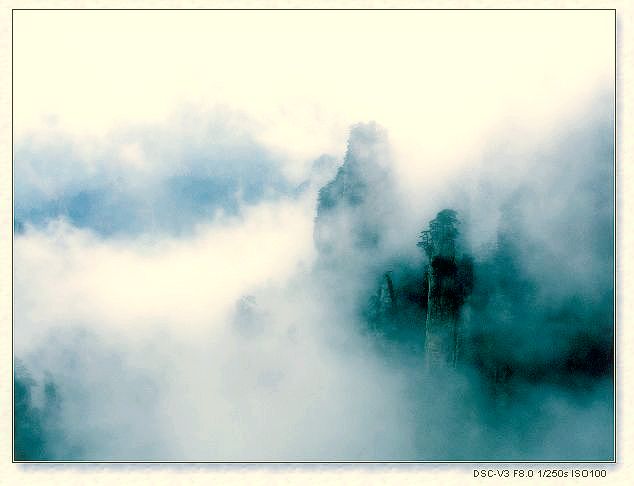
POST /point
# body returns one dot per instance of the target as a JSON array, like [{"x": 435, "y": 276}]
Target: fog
[{"x": 243, "y": 335}]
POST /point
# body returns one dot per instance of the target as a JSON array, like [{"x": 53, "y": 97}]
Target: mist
[{"x": 249, "y": 322}]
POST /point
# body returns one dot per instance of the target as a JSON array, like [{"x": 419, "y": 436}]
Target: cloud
[
  {"x": 170, "y": 301},
  {"x": 161, "y": 178},
  {"x": 138, "y": 284},
  {"x": 233, "y": 342}
]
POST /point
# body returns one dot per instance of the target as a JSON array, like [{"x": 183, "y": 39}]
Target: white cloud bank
[{"x": 66, "y": 275}]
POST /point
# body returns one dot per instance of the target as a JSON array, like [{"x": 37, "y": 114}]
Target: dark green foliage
[
  {"x": 441, "y": 237},
  {"x": 446, "y": 294},
  {"x": 515, "y": 338},
  {"x": 449, "y": 275},
  {"x": 37, "y": 433},
  {"x": 393, "y": 314},
  {"x": 34, "y": 424},
  {"x": 449, "y": 282},
  {"x": 511, "y": 336},
  {"x": 29, "y": 439}
]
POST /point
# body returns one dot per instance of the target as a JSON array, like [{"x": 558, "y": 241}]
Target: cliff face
[
  {"x": 355, "y": 204},
  {"x": 383, "y": 305},
  {"x": 354, "y": 210},
  {"x": 449, "y": 276}
]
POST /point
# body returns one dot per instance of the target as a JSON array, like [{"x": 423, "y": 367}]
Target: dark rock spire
[{"x": 449, "y": 276}]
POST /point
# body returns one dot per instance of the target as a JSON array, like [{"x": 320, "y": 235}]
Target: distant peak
[{"x": 368, "y": 142}]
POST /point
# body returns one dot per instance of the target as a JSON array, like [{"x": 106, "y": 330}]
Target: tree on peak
[{"x": 440, "y": 238}]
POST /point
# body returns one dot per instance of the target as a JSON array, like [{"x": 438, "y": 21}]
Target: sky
[
  {"x": 430, "y": 77},
  {"x": 167, "y": 166}
]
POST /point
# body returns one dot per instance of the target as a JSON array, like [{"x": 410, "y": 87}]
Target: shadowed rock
[{"x": 449, "y": 276}]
